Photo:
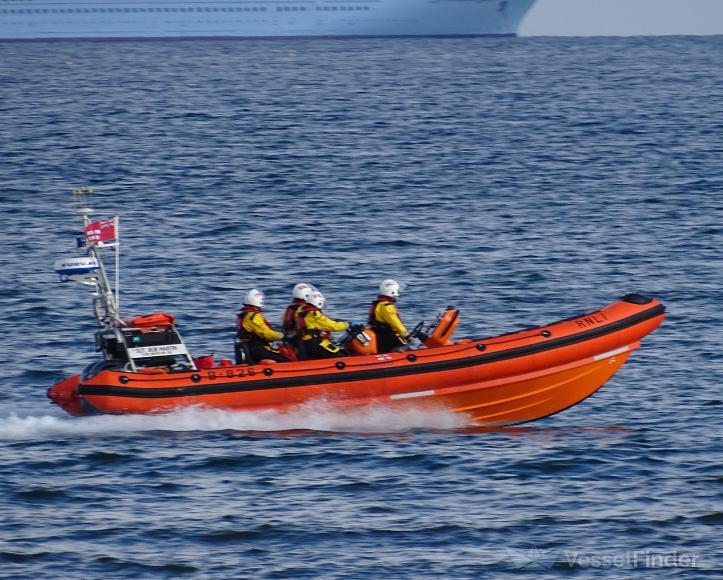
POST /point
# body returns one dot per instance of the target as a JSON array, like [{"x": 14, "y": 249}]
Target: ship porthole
[
  {"x": 546, "y": 333},
  {"x": 481, "y": 347},
  {"x": 341, "y": 365},
  {"x": 411, "y": 357},
  {"x": 268, "y": 372},
  {"x": 195, "y": 378},
  {"x": 123, "y": 380}
]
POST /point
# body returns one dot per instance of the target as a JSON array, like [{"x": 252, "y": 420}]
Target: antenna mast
[{"x": 106, "y": 304}]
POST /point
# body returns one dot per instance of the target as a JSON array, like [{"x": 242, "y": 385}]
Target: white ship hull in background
[{"x": 139, "y": 19}]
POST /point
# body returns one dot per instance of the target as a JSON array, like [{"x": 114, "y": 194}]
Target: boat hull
[
  {"x": 503, "y": 380},
  {"x": 62, "y": 19}
]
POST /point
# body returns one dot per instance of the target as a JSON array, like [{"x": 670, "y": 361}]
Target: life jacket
[
  {"x": 373, "y": 322},
  {"x": 387, "y": 338},
  {"x": 302, "y": 330},
  {"x": 243, "y": 334},
  {"x": 288, "y": 320}
]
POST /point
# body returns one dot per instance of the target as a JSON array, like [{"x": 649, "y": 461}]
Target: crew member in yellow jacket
[
  {"x": 384, "y": 319},
  {"x": 288, "y": 319},
  {"x": 254, "y": 335},
  {"x": 314, "y": 328}
]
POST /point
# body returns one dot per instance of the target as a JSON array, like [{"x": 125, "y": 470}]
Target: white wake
[{"x": 370, "y": 419}]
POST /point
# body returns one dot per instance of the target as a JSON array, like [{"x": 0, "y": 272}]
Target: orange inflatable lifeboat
[{"x": 501, "y": 380}]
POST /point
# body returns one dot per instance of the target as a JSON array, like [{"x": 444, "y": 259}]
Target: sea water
[{"x": 522, "y": 180}]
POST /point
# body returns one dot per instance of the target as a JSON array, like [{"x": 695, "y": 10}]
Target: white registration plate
[{"x": 160, "y": 350}]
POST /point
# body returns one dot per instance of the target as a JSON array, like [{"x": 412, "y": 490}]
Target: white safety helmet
[
  {"x": 302, "y": 290},
  {"x": 254, "y": 298},
  {"x": 389, "y": 288},
  {"x": 317, "y": 299}
]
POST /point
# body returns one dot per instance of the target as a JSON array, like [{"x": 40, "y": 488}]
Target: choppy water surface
[{"x": 524, "y": 180}]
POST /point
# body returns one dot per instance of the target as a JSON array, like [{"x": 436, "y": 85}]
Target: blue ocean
[{"x": 523, "y": 180}]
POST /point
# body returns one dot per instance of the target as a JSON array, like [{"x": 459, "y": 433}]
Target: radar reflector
[{"x": 76, "y": 269}]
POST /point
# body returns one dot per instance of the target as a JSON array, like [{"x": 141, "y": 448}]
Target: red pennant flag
[{"x": 100, "y": 231}]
